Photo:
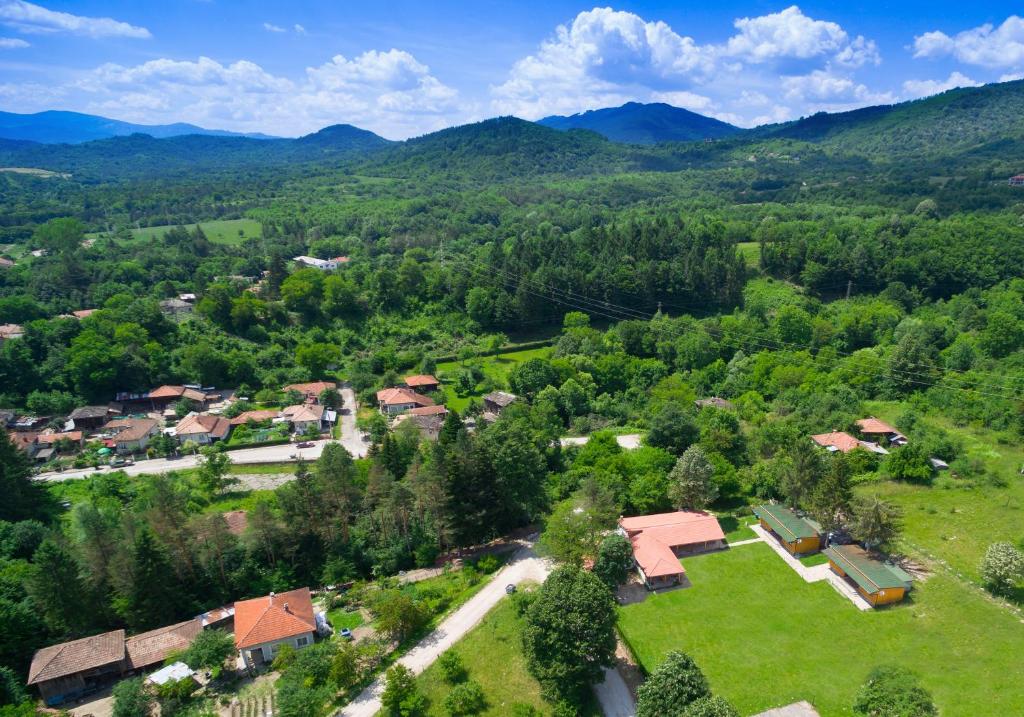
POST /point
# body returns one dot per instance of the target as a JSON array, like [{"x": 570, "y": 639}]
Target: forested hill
[
  {"x": 948, "y": 124},
  {"x": 56, "y": 127},
  {"x": 637, "y": 123}
]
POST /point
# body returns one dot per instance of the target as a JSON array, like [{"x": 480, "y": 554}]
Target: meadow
[
  {"x": 495, "y": 370},
  {"x": 766, "y": 638},
  {"x": 229, "y": 232}
]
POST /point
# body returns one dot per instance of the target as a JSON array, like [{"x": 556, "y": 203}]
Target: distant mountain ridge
[
  {"x": 637, "y": 123},
  {"x": 59, "y": 127}
]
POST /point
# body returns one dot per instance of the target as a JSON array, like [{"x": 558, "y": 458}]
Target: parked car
[
  {"x": 345, "y": 633},
  {"x": 510, "y": 589},
  {"x": 304, "y": 444}
]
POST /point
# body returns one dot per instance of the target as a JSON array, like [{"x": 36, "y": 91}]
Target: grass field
[
  {"x": 751, "y": 252},
  {"x": 765, "y": 638},
  {"x": 340, "y": 618},
  {"x": 221, "y": 231},
  {"x": 952, "y": 520},
  {"x": 492, "y": 655},
  {"x": 495, "y": 369}
]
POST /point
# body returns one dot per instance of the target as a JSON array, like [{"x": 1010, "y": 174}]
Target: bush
[
  {"x": 521, "y": 709},
  {"x": 1002, "y": 567},
  {"x": 401, "y": 696},
  {"x": 131, "y": 699},
  {"x": 676, "y": 683},
  {"x": 892, "y": 691},
  {"x": 452, "y": 667},
  {"x": 711, "y": 707},
  {"x": 465, "y": 699},
  {"x": 487, "y": 564},
  {"x": 210, "y": 649}
]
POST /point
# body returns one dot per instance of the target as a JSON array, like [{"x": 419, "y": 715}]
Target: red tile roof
[
  {"x": 676, "y": 529},
  {"x": 311, "y": 389},
  {"x": 177, "y": 392},
  {"x": 421, "y": 380},
  {"x": 840, "y": 441},
  {"x": 67, "y": 658},
  {"x": 428, "y": 411},
  {"x": 654, "y": 557},
  {"x": 303, "y": 413},
  {"x": 153, "y": 647},
  {"x": 873, "y": 425},
  {"x": 397, "y": 396},
  {"x": 199, "y": 423},
  {"x": 75, "y": 436},
  {"x": 130, "y": 429},
  {"x": 273, "y": 617},
  {"x": 254, "y": 416}
]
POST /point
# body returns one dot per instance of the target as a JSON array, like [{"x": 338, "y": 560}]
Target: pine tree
[
  {"x": 23, "y": 499},
  {"x": 151, "y": 597},
  {"x": 56, "y": 586}
]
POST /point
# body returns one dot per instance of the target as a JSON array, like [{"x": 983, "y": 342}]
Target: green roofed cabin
[
  {"x": 798, "y": 535},
  {"x": 880, "y": 583}
]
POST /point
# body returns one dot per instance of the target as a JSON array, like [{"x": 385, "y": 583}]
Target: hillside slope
[{"x": 636, "y": 123}]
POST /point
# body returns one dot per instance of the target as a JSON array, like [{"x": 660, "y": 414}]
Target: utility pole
[{"x": 849, "y": 285}]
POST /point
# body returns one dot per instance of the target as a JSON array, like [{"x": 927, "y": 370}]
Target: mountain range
[
  {"x": 977, "y": 123},
  {"x": 636, "y": 123},
  {"x": 58, "y": 127}
]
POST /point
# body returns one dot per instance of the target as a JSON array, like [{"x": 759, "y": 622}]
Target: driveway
[
  {"x": 524, "y": 566},
  {"x": 628, "y": 441},
  {"x": 351, "y": 438},
  {"x": 614, "y": 695}
]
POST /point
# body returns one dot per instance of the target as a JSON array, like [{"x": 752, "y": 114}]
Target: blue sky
[{"x": 405, "y": 68}]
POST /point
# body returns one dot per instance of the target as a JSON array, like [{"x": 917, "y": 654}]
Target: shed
[
  {"x": 879, "y": 582},
  {"x": 71, "y": 669},
  {"x": 175, "y": 672},
  {"x": 797, "y": 534}
]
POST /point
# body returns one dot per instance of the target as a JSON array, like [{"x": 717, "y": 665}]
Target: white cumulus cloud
[
  {"x": 606, "y": 57},
  {"x": 35, "y": 19},
  {"x": 11, "y": 43},
  {"x": 270, "y": 27},
  {"x": 923, "y": 88},
  {"x": 985, "y": 45}
]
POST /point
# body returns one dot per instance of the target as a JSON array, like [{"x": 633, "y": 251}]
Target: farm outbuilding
[
  {"x": 879, "y": 582},
  {"x": 797, "y": 534}
]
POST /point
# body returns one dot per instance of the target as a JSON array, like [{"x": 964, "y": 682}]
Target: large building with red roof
[
  {"x": 658, "y": 541},
  {"x": 263, "y": 624}
]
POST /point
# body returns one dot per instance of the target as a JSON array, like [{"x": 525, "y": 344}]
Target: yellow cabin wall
[{"x": 882, "y": 597}]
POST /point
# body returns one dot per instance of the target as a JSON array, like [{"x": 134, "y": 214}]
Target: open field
[
  {"x": 751, "y": 252},
  {"x": 951, "y": 519},
  {"x": 493, "y": 657},
  {"x": 765, "y": 638},
  {"x": 221, "y": 231},
  {"x": 495, "y": 369}
]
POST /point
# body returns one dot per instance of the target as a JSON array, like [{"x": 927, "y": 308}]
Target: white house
[
  {"x": 321, "y": 264},
  {"x": 263, "y": 624}
]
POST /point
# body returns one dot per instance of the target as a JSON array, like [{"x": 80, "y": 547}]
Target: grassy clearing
[
  {"x": 751, "y": 253},
  {"x": 221, "y": 231},
  {"x": 342, "y": 618},
  {"x": 238, "y": 500},
  {"x": 737, "y": 529},
  {"x": 492, "y": 655},
  {"x": 765, "y": 638},
  {"x": 950, "y": 519},
  {"x": 495, "y": 370}
]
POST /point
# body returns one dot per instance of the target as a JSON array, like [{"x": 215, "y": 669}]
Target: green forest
[{"x": 884, "y": 280}]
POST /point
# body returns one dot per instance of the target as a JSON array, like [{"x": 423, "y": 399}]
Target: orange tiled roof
[
  {"x": 54, "y": 437},
  {"x": 842, "y": 442},
  {"x": 150, "y": 648},
  {"x": 421, "y": 380},
  {"x": 273, "y": 617},
  {"x": 303, "y": 412},
  {"x": 255, "y": 416},
  {"x": 655, "y": 557},
  {"x": 392, "y": 396},
  {"x": 428, "y": 411},
  {"x": 676, "y": 529},
  {"x": 873, "y": 425},
  {"x": 199, "y": 423},
  {"x": 315, "y": 388},
  {"x": 130, "y": 429}
]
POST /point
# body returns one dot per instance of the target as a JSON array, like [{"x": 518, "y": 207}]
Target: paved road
[
  {"x": 524, "y": 566},
  {"x": 614, "y": 696},
  {"x": 628, "y": 441},
  {"x": 350, "y": 438}
]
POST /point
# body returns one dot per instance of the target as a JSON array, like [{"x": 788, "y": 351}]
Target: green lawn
[
  {"x": 737, "y": 529},
  {"x": 221, "y": 231},
  {"x": 340, "y": 618},
  {"x": 765, "y": 638},
  {"x": 495, "y": 368},
  {"x": 493, "y": 657},
  {"x": 957, "y": 523}
]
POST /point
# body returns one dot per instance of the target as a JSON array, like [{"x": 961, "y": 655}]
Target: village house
[
  {"x": 131, "y": 435},
  {"x": 10, "y": 331},
  {"x": 311, "y": 391},
  {"x": 164, "y": 397},
  {"x": 880, "y": 432},
  {"x": 256, "y": 416},
  {"x": 321, "y": 264},
  {"x": 658, "y": 541},
  {"x": 89, "y": 418},
  {"x": 878, "y": 582},
  {"x": 713, "y": 402},
  {"x": 263, "y": 624},
  {"x": 308, "y": 416},
  {"x": 176, "y": 309},
  {"x": 393, "y": 401},
  {"x": 1017, "y": 180},
  {"x": 202, "y": 428},
  {"x": 429, "y": 424},
  {"x": 498, "y": 401},
  {"x": 52, "y": 438},
  {"x": 68, "y": 670},
  {"x": 844, "y": 443},
  {"x": 422, "y": 382},
  {"x": 797, "y": 534}
]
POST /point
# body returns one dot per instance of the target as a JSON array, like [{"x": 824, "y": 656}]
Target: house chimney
[{"x": 286, "y": 608}]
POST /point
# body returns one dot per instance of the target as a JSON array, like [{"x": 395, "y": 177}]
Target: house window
[{"x": 301, "y": 641}]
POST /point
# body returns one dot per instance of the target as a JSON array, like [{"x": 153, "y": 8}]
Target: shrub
[
  {"x": 452, "y": 667},
  {"x": 465, "y": 699},
  {"x": 401, "y": 697},
  {"x": 711, "y": 707},
  {"x": 131, "y": 699},
  {"x": 676, "y": 683},
  {"x": 487, "y": 564},
  {"x": 1002, "y": 567},
  {"x": 210, "y": 649},
  {"x": 892, "y": 691}
]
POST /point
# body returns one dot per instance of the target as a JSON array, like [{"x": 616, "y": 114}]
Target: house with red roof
[
  {"x": 658, "y": 541},
  {"x": 263, "y": 624},
  {"x": 393, "y": 401},
  {"x": 311, "y": 391},
  {"x": 422, "y": 382},
  {"x": 880, "y": 431},
  {"x": 842, "y": 442}
]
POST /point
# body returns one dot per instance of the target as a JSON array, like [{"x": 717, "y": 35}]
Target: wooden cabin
[
  {"x": 878, "y": 582},
  {"x": 797, "y": 535}
]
